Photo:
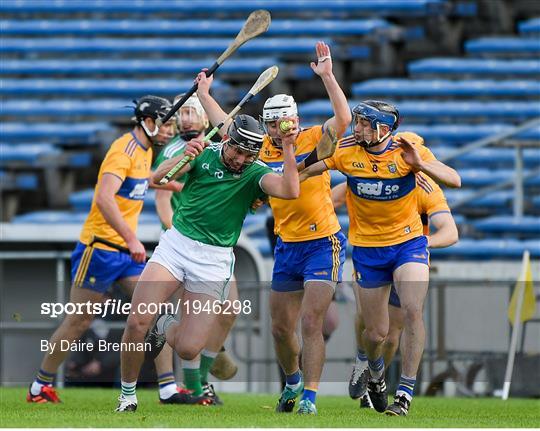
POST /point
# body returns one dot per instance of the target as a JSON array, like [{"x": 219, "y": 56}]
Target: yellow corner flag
[{"x": 524, "y": 282}]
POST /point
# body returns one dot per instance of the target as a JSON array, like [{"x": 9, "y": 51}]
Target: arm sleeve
[
  {"x": 426, "y": 154},
  {"x": 436, "y": 202}
]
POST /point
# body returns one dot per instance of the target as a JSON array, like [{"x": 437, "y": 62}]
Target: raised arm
[
  {"x": 286, "y": 186},
  {"x": 342, "y": 113},
  {"x": 215, "y": 113}
]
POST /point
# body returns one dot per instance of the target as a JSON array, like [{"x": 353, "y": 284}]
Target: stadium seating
[
  {"x": 489, "y": 249},
  {"x": 61, "y": 133},
  {"x": 440, "y": 111},
  {"x": 489, "y": 157},
  {"x": 475, "y": 67},
  {"x": 392, "y": 88},
  {"x": 458, "y": 134},
  {"x": 93, "y": 87},
  {"x": 509, "y": 46},
  {"x": 62, "y": 67},
  {"x": 416, "y": 8},
  {"x": 525, "y": 226},
  {"x": 530, "y": 27},
  {"x": 82, "y": 200},
  {"x": 204, "y": 28}
]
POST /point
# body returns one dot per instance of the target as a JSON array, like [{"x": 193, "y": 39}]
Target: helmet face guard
[
  {"x": 191, "y": 118},
  {"x": 378, "y": 114},
  {"x": 275, "y": 108},
  {"x": 244, "y": 140}
]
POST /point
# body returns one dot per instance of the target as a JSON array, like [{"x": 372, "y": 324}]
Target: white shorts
[{"x": 201, "y": 267}]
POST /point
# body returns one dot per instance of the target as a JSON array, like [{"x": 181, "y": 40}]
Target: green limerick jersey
[
  {"x": 174, "y": 148},
  {"x": 214, "y": 201}
]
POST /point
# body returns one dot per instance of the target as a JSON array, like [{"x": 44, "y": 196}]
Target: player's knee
[
  {"x": 414, "y": 313},
  {"x": 281, "y": 332},
  {"x": 137, "y": 325},
  {"x": 312, "y": 323},
  {"x": 77, "y": 324},
  {"x": 189, "y": 351},
  {"x": 375, "y": 335}
]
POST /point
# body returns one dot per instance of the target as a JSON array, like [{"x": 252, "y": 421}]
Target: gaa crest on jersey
[{"x": 392, "y": 168}]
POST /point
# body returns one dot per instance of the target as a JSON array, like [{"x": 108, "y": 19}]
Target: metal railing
[{"x": 519, "y": 178}]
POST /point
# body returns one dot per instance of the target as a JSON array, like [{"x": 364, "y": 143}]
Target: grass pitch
[{"x": 94, "y": 408}]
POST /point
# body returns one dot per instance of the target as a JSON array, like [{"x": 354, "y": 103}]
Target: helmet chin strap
[
  {"x": 152, "y": 138},
  {"x": 189, "y": 135},
  {"x": 380, "y": 139}
]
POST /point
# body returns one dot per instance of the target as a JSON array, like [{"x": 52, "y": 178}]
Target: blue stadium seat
[
  {"x": 67, "y": 217},
  {"x": 530, "y": 27},
  {"x": 82, "y": 200},
  {"x": 503, "y": 45},
  {"x": 27, "y": 153},
  {"x": 509, "y": 224},
  {"x": 203, "y": 27},
  {"x": 140, "y": 66},
  {"x": 489, "y": 249},
  {"x": 439, "y": 111},
  {"x": 472, "y": 66},
  {"x": 369, "y": 7},
  {"x": 501, "y": 200},
  {"x": 494, "y": 157},
  {"x": 536, "y": 201},
  {"x": 105, "y": 109},
  {"x": 101, "y": 87},
  {"x": 457, "y": 134},
  {"x": 203, "y": 46},
  {"x": 434, "y": 88},
  {"x": 83, "y": 133},
  {"x": 485, "y": 177}
]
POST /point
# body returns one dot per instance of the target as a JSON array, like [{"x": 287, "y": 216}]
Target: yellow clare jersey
[
  {"x": 130, "y": 161},
  {"x": 312, "y": 215},
  {"x": 431, "y": 199},
  {"x": 381, "y": 192}
]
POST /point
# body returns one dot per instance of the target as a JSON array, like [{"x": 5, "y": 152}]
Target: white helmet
[
  {"x": 200, "y": 121},
  {"x": 279, "y": 106}
]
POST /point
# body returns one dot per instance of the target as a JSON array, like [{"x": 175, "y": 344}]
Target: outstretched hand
[
  {"x": 204, "y": 82},
  {"x": 324, "y": 60}
]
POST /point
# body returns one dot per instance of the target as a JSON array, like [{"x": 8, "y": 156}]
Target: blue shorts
[
  {"x": 96, "y": 269},
  {"x": 316, "y": 259},
  {"x": 375, "y": 266},
  {"x": 394, "y": 298}
]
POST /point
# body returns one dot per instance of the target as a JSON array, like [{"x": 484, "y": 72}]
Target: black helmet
[
  {"x": 246, "y": 133},
  {"x": 151, "y": 106}
]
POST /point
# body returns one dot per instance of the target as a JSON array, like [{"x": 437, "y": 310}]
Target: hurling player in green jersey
[
  {"x": 196, "y": 255},
  {"x": 191, "y": 122}
]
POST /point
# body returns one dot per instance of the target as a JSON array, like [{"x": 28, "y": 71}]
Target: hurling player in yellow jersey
[
  {"x": 96, "y": 262},
  {"x": 386, "y": 233},
  {"x": 435, "y": 213},
  {"x": 310, "y": 249}
]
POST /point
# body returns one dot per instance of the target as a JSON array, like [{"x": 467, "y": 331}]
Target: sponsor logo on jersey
[
  {"x": 320, "y": 273},
  {"x": 382, "y": 189},
  {"x": 133, "y": 188}
]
